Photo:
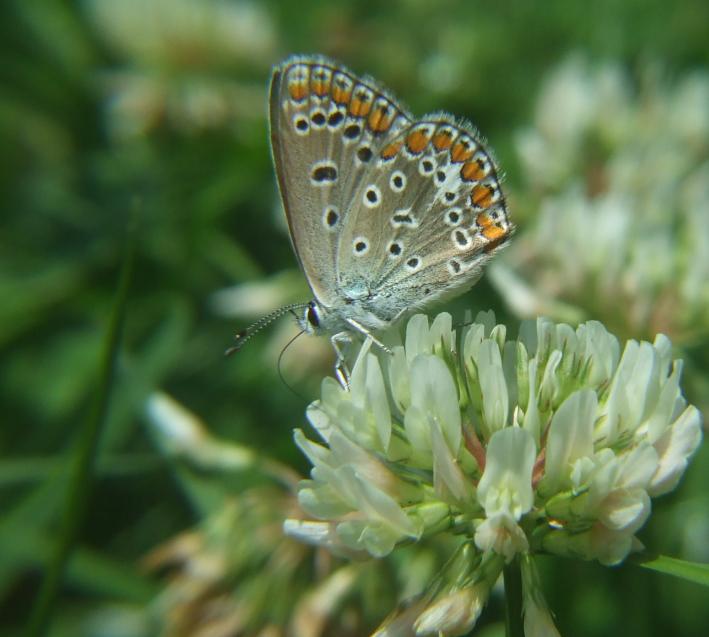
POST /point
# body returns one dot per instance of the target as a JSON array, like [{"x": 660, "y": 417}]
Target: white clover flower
[
  {"x": 618, "y": 183},
  {"x": 554, "y": 442},
  {"x": 160, "y": 83}
]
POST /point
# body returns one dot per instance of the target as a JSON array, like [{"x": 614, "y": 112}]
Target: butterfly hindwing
[{"x": 439, "y": 215}]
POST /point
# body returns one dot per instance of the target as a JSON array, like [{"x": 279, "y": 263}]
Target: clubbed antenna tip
[{"x": 241, "y": 337}]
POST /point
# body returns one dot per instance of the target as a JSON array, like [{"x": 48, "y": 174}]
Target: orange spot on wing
[
  {"x": 298, "y": 82},
  {"x": 320, "y": 80},
  {"x": 361, "y": 103},
  {"x": 473, "y": 170},
  {"x": 390, "y": 151},
  {"x": 381, "y": 118},
  {"x": 442, "y": 139},
  {"x": 417, "y": 140},
  {"x": 463, "y": 150},
  {"x": 481, "y": 195},
  {"x": 341, "y": 89},
  {"x": 298, "y": 90},
  {"x": 483, "y": 221},
  {"x": 495, "y": 236},
  {"x": 491, "y": 231}
]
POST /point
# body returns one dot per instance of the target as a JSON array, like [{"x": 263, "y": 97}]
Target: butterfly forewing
[
  {"x": 386, "y": 214},
  {"x": 327, "y": 126}
]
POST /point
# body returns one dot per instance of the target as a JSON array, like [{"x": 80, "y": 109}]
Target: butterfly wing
[
  {"x": 327, "y": 125},
  {"x": 425, "y": 217}
]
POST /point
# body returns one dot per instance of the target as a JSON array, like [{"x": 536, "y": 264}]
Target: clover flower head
[
  {"x": 621, "y": 206},
  {"x": 554, "y": 442}
]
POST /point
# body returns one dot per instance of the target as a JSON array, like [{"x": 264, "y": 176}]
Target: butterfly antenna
[
  {"x": 245, "y": 335},
  {"x": 280, "y": 370}
]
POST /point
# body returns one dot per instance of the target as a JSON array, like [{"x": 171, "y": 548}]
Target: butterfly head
[{"x": 311, "y": 321}]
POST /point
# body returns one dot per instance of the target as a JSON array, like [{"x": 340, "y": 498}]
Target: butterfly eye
[{"x": 312, "y": 316}]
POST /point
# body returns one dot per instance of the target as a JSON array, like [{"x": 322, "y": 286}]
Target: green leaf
[{"x": 691, "y": 571}]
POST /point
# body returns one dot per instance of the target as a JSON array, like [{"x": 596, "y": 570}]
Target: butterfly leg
[
  {"x": 339, "y": 342},
  {"x": 367, "y": 334}
]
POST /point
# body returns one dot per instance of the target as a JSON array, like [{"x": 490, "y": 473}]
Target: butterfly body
[{"x": 387, "y": 214}]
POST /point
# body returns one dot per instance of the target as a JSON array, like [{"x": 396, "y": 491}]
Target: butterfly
[{"x": 387, "y": 213}]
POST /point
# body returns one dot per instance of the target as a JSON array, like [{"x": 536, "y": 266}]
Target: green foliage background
[{"x": 81, "y": 164}]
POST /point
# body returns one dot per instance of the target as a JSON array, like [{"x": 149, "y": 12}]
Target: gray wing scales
[{"x": 431, "y": 212}]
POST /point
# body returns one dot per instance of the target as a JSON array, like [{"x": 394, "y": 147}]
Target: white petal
[
  {"x": 377, "y": 401},
  {"x": 471, "y": 342},
  {"x": 674, "y": 449},
  {"x": 625, "y": 510},
  {"x": 319, "y": 534},
  {"x": 666, "y": 408},
  {"x": 570, "y": 437},
  {"x": 528, "y": 336},
  {"x": 501, "y": 534},
  {"x": 532, "y": 422},
  {"x": 399, "y": 378},
  {"x": 441, "y": 334},
  {"x": 378, "y": 505},
  {"x": 416, "y": 337},
  {"x": 549, "y": 385},
  {"x": 321, "y": 500},
  {"x": 317, "y": 454},
  {"x": 637, "y": 467},
  {"x": 368, "y": 467},
  {"x": 663, "y": 347},
  {"x": 506, "y": 483},
  {"x": 610, "y": 547},
  {"x": 616, "y": 406},
  {"x": 492, "y": 385},
  {"x": 319, "y": 417},
  {"x": 434, "y": 392},
  {"x": 509, "y": 368},
  {"x": 359, "y": 371},
  {"x": 418, "y": 432},
  {"x": 377, "y": 538},
  {"x": 538, "y": 622},
  {"x": 447, "y": 476},
  {"x": 499, "y": 335},
  {"x": 452, "y": 614},
  {"x": 487, "y": 319},
  {"x": 602, "y": 350},
  {"x": 641, "y": 386}
]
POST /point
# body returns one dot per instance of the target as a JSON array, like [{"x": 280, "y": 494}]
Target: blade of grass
[
  {"x": 82, "y": 471},
  {"x": 690, "y": 571}
]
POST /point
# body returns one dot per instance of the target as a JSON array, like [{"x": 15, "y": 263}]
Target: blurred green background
[{"x": 152, "y": 114}]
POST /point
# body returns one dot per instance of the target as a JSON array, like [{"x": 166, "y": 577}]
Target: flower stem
[{"x": 514, "y": 626}]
